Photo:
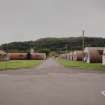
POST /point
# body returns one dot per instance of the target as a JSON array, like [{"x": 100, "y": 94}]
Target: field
[
  {"x": 17, "y": 64},
  {"x": 82, "y": 65}
]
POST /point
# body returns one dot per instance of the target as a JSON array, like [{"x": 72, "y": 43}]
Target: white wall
[{"x": 103, "y": 59}]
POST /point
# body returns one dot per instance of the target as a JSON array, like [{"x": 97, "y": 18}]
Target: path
[{"x": 51, "y": 84}]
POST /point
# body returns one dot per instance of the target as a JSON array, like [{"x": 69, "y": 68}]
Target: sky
[{"x": 23, "y": 20}]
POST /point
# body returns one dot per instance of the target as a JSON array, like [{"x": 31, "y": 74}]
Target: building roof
[
  {"x": 2, "y": 52},
  {"x": 93, "y": 48}
]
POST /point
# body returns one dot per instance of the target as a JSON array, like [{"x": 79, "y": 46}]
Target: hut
[
  {"x": 38, "y": 56},
  {"x": 63, "y": 56},
  {"x": 68, "y": 56},
  {"x": 77, "y": 55},
  {"x": 17, "y": 56},
  {"x": 27, "y": 56},
  {"x": 3, "y": 56},
  {"x": 71, "y": 56},
  {"x": 93, "y": 54},
  {"x": 44, "y": 56},
  {"x": 103, "y": 57}
]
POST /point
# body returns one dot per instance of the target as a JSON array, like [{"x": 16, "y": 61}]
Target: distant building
[
  {"x": 27, "y": 56},
  {"x": 103, "y": 57},
  {"x": 3, "y": 56},
  {"x": 17, "y": 56},
  {"x": 78, "y": 55},
  {"x": 71, "y": 56},
  {"x": 93, "y": 54}
]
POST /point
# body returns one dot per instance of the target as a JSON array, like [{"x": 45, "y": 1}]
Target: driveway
[{"x": 51, "y": 84}]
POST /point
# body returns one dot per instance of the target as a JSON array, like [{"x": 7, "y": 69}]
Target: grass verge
[
  {"x": 82, "y": 65},
  {"x": 18, "y": 64}
]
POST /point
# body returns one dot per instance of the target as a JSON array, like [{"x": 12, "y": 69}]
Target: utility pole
[
  {"x": 83, "y": 42},
  {"x": 83, "y": 39}
]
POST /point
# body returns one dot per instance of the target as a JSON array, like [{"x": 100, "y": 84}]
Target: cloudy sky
[{"x": 32, "y": 19}]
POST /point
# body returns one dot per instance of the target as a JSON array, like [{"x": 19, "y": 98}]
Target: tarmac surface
[{"x": 51, "y": 84}]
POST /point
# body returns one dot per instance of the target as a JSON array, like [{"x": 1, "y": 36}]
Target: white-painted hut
[
  {"x": 65, "y": 56},
  {"x": 71, "y": 56},
  {"x": 38, "y": 56},
  {"x": 68, "y": 56},
  {"x": 62, "y": 56},
  {"x": 103, "y": 57},
  {"x": 3, "y": 56},
  {"x": 78, "y": 55},
  {"x": 93, "y": 54}
]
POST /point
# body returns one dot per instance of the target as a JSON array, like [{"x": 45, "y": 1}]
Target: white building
[
  {"x": 103, "y": 58},
  {"x": 93, "y": 54}
]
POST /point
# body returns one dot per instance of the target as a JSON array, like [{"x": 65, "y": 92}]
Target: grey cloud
[{"x": 33, "y": 19}]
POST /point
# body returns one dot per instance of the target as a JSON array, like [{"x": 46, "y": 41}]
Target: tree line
[{"x": 58, "y": 45}]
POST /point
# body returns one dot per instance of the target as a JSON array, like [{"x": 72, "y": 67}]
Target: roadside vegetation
[
  {"x": 18, "y": 64},
  {"x": 82, "y": 65}
]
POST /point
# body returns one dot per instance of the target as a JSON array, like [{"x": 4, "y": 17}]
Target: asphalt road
[{"x": 51, "y": 84}]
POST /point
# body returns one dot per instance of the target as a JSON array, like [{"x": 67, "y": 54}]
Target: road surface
[{"x": 51, "y": 84}]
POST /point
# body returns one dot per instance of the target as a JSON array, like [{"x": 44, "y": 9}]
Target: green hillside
[{"x": 53, "y": 44}]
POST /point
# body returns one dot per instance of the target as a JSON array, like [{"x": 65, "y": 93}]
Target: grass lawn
[
  {"x": 82, "y": 65},
  {"x": 17, "y": 64}
]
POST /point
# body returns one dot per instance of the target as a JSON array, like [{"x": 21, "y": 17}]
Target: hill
[{"x": 53, "y": 44}]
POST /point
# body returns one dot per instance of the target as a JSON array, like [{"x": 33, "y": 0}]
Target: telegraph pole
[
  {"x": 83, "y": 42},
  {"x": 83, "y": 39}
]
